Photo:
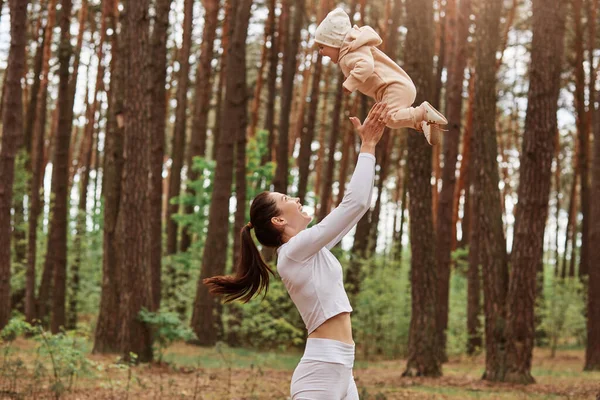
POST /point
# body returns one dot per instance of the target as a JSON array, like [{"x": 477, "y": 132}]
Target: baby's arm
[{"x": 362, "y": 66}]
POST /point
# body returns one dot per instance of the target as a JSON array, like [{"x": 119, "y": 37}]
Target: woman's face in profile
[{"x": 291, "y": 211}]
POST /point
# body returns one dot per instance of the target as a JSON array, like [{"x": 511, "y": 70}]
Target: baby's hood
[{"x": 358, "y": 37}]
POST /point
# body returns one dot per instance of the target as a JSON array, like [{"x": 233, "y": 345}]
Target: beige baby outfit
[{"x": 369, "y": 70}]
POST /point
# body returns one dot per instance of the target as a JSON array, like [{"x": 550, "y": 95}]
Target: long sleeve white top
[{"x": 311, "y": 274}]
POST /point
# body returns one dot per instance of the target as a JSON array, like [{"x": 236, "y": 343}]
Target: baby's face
[{"x": 331, "y": 52}]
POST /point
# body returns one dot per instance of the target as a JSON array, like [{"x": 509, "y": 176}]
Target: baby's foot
[
  {"x": 433, "y": 116},
  {"x": 432, "y": 132}
]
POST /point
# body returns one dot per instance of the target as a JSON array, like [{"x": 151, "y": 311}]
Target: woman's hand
[{"x": 371, "y": 131}]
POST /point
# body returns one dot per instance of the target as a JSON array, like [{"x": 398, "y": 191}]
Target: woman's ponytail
[{"x": 251, "y": 273}]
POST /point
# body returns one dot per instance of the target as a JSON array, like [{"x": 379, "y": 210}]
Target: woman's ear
[{"x": 278, "y": 221}]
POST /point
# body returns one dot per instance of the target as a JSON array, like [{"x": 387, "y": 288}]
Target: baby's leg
[{"x": 399, "y": 99}]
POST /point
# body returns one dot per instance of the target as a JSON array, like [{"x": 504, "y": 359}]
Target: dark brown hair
[{"x": 251, "y": 273}]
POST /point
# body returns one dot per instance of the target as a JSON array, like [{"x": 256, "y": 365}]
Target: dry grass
[{"x": 199, "y": 373}]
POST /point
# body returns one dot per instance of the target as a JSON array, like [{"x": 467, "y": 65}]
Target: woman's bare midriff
[{"x": 337, "y": 328}]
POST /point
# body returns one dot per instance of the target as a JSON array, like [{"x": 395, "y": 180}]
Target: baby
[{"x": 371, "y": 72}]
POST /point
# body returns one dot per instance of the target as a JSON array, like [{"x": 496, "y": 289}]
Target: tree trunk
[
  {"x": 234, "y": 119},
  {"x": 12, "y": 125},
  {"x": 56, "y": 255},
  {"x": 322, "y": 129},
  {"x": 178, "y": 147},
  {"x": 592, "y": 350},
  {"x": 39, "y": 310},
  {"x": 227, "y": 31},
  {"x": 463, "y": 176},
  {"x": 202, "y": 102},
  {"x": 572, "y": 217},
  {"x": 132, "y": 222},
  {"x": 85, "y": 163},
  {"x": 424, "y": 355},
  {"x": 348, "y": 152},
  {"x": 534, "y": 185},
  {"x": 308, "y": 133},
  {"x": 106, "y": 338},
  {"x": 325, "y": 192},
  {"x": 271, "y": 82},
  {"x": 158, "y": 116},
  {"x": 445, "y": 228},
  {"x": 582, "y": 136},
  {"x": 486, "y": 195},
  {"x": 292, "y": 42}
]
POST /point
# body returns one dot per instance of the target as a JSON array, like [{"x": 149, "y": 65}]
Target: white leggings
[{"x": 325, "y": 372}]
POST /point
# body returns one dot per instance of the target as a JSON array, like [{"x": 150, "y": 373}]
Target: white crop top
[{"x": 310, "y": 273}]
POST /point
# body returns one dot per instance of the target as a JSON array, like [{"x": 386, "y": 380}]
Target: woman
[{"x": 310, "y": 272}]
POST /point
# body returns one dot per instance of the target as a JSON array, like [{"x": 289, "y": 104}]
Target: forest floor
[{"x": 190, "y": 372}]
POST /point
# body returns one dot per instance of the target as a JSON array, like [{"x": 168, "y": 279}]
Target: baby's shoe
[
  {"x": 433, "y": 116},
  {"x": 432, "y": 132}
]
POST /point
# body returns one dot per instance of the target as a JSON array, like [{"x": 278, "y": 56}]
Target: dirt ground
[{"x": 560, "y": 377}]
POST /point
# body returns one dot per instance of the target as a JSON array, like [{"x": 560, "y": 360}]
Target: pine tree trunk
[
  {"x": 534, "y": 185},
  {"x": 292, "y": 41},
  {"x": 486, "y": 195},
  {"x": 40, "y": 309},
  {"x": 234, "y": 119},
  {"x": 322, "y": 129},
  {"x": 227, "y": 31},
  {"x": 132, "y": 222},
  {"x": 158, "y": 117},
  {"x": 178, "y": 147},
  {"x": 571, "y": 223},
  {"x": 463, "y": 176},
  {"x": 325, "y": 192},
  {"x": 12, "y": 134},
  {"x": 592, "y": 350},
  {"x": 271, "y": 82},
  {"x": 445, "y": 228},
  {"x": 202, "y": 101},
  {"x": 56, "y": 255},
  {"x": 348, "y": 152},
  {"x": 106, "y": 338},
  {"x": 85, "y": 163},
  {"x": 308, "y": 132},
  {"x": 582, "y": 135},
  {"x": 424, "y": 355}
]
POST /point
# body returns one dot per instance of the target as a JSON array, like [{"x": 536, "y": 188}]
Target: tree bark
[
  {"x": 486, "y": 196},
  {"x": 534, "y": 185},
  {"x": 592, "y": 350},
  {"x": 107, "y": 328},
  {"x": 158, "y": 116},
  {"x": 454, "y": 101},
  {"x": 271, "y": 82},
  {"x": 202, "y": 101},
  {"x": 56, "y": 255},
  {"x": 308, "y": 133},
  {"x": 424, "y": 355},
  {"x": 12, "y": 125},
  {"x": 84, "y": 171},
  {"x": 132, "y": 222},
  {"x": 583, "y": 136},
  {"x": 227, "y": 31},
  {"x": 234, "y": 119},
  {"x": 325, "y": 192},
  {"x": 178, "y": 147},
  {"x": 40, "y": 309},
  {"x": 292, "y": 42}
]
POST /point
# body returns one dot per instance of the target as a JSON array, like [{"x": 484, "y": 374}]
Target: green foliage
[
  {"x": 562, "y": 311},
  {"x": 60, "y": 358},
  {"x": 381, "y": 317},
  {"x": 166, "y": 329},
  {"x": 266, "y": 324}
]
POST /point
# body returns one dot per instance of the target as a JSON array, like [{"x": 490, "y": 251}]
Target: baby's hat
[{"x": 332, "y": 30}]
